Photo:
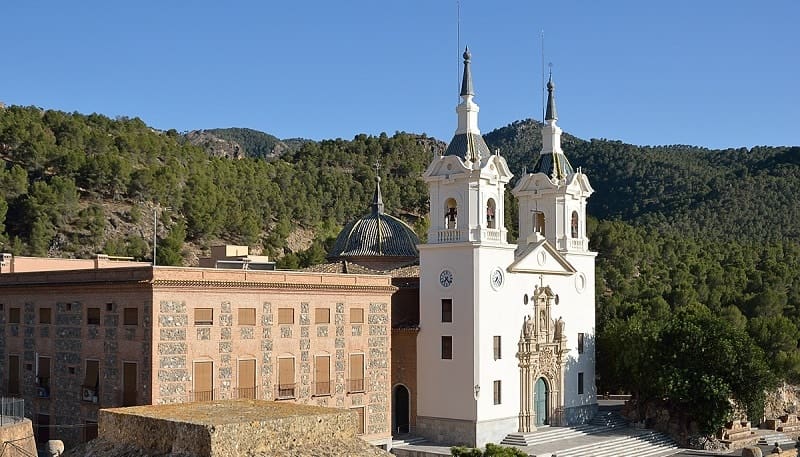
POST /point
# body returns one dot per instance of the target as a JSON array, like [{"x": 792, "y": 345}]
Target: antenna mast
[
  {"x": 458, "y": 48},
  {"x": 542, "y": 87}
]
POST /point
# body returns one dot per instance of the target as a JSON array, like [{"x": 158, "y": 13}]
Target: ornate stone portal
[{"x": 541, "y": 353}]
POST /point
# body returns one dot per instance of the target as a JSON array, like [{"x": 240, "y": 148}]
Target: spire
[
  {"x": 468, "y": 143},
  {"x": 377, "y": 199},
  {"x": 551, "y": 114},
  {"x": 466, "y": 81},
  {"x": 552, "y": 160}
]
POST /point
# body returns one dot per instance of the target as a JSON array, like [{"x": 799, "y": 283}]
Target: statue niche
[{"x": 541, "y": 353}]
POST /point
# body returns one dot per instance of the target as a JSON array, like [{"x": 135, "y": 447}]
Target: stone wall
[
  {"x": 229, "y": 428},
  {"x": 20, "y": 437}
]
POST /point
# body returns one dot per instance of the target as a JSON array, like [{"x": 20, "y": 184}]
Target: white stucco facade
[{"x": 534, "y": 300}]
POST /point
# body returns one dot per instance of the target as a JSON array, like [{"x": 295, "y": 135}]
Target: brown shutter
[
  {"x": 322, "y": 374},
  {"x": 129, "y": 387},
  {"x": 286, "y": 371},
  {"x": 93, "y": 316},
  {"x": 44, "y": 316},
  {"x": 44, "y": 367},
  {"x": 92, "y": 374},
  {"x": 13, "y": 315},
  {"x": 203, "y": 376},
  {"x": 356, "y": 315},
  {"x": 247, "y": 316},
  {"x": 322, "y": 316},
  {"x": 131, "y": 316},
  {"x": 286, "y": 315},
  {"x": 203, "y": 316},
  {"x": 361, "y": 419},
  {"x": 247, "y": 374},
  {"x": 356, "y": 378},
  {"x": 13, "y": 374}
]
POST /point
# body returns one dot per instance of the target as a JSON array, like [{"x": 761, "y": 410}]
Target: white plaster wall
[{"x": 445, "y": 387}]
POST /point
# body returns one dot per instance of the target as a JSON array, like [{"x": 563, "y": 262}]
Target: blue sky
[{"x": 711, "y": 73}]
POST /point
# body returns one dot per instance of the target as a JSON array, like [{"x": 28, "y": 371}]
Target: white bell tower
[
  {"x": 552, "y": 198},
  {"x": 467, "y": 183}
]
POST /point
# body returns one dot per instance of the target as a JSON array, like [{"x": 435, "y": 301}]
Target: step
[
  {"x": 769, "y": 439},
  {"x": 647, "y": 445},
  {"x": 407, "y": 441},
  {"x": 552, "y": 434}
]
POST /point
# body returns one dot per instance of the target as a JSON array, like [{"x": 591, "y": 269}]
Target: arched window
[
  {"x": 538, "y": 222},
  {"x": 450, "y": 214},
  {"x": 574, "y": 224},
  {"x": 490, "y": 213}
]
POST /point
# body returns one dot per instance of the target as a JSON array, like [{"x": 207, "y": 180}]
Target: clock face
[
  {"x": 446, "y": 278},
  {"x": 497, "y": 278}
]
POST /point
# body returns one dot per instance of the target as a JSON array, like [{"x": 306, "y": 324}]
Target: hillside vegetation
[{"x": 688, "y": 238}]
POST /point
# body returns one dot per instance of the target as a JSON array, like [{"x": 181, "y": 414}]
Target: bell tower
[
  {"x": 552, "y": 198},
  {"x": 467, "y": 183}
]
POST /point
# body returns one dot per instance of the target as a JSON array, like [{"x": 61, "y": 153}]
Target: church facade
[{"x": 506, "y": 331}]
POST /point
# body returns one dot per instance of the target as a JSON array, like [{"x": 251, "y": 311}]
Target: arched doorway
[
  {"x": 400, "y": 404},
  {"x": 540, "y": 401}
]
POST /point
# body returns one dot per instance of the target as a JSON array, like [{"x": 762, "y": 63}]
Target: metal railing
[
  {"x": 286, "y": 391},
  {"x": 355, "y": 385},
  {"x": 12, "y": 410},
  {"x": 322, "y": 388},
  {"x": 201, "y": 395},
  {"x": 246, "y": 392}
]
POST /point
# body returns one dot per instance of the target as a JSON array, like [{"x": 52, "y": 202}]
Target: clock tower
[{"x": 462, "y": 281}]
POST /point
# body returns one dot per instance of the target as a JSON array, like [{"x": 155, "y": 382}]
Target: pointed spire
[
  {"x": 466, "y": 81},
  {"x": 377, "y": 199},
  {"x": 551, "y": 114}
]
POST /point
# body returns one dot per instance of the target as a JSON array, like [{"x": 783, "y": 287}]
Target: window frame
[
  {"x": 446, "y": 342},
  {"x": 203, "y": 322},
  {"x": 91, "y": 319},
  {"x": 497, "y": 392},
  {"x": 282, "y": 321},
  {"x": 126, "y": 315},
  {"x": 447, "y": 310},
  {"x": 497, "y": 347},
  {"x": 247, "y": 321}
]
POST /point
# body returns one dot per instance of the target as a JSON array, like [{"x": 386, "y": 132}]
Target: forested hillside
[{"x": 687, "y": 237}]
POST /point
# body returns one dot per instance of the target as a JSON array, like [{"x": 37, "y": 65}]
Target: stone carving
[{"x": 55, "y": 447}]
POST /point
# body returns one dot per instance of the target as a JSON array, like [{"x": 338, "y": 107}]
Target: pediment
[
  {"x": 580, "y": 182},
  {"x": 534, "y": 182},
  {"x": 445, "y": 166},
  {"x": 495, "y": 167},
  {"x": 540, "y": 257}
]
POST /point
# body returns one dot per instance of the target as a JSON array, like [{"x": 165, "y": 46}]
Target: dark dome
[{"x": 376, "y": 235}]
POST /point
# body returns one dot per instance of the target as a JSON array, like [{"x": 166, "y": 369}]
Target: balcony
[
  {"x": 285, "y": 391},
  {"x": 355, "y": 385},
  {"x": 573, "y": 244},
  {"x": 201, "y": 395},
  {"x": 450, "y": 236},
  {"x": 245, "y": 392}
]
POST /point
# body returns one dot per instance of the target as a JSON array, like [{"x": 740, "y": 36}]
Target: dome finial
[
  {"x": 377, "y": 199},
  {"x": 466, "y": 81}
]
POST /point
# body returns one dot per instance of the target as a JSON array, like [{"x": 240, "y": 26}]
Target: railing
[
  {"x": 246, "y": 392},
  {"x": 450, "y": 236},
  {"x": 577, "y": 244},
  {"x": 12, "y": 410},
  {"x": 285, "y": 391},
  {"x": 322, "y": 388},
  {"x": 486, "y": 234},
  {"x": 355, "y": 385},
  {"x": 201, "y": 395}
]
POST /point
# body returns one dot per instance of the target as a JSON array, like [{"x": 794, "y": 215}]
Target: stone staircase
[
  {"x": 406, "y": 440},
  {"x": 549, "y": 434},
  {"x": 647, "y": 444},
  {"x": 770, "y": 438},
  {"x": 608, "y": 418},
  {"x": 606, "y": 435}
]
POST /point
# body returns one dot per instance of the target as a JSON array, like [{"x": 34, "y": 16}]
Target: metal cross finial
[{"x": 377, "y": 166}]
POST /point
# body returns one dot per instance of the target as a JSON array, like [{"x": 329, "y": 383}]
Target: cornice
[{"x": 180, "y": 283}]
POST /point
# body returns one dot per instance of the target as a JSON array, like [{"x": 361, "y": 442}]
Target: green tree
[{"x": 170, "y": 248}]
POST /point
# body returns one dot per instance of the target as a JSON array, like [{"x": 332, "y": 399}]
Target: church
[{"x": 489, "y": 338}]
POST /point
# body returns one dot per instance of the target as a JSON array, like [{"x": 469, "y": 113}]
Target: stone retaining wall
[{"x": 17, "y": 439}]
